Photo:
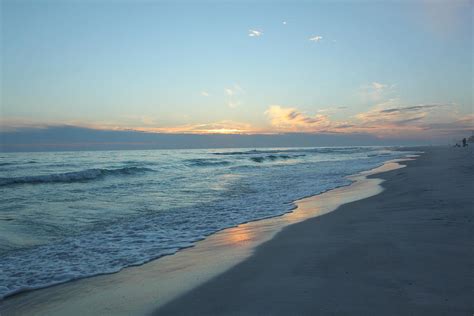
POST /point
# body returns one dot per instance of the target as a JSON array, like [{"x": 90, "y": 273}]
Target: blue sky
[{"x": 380, "y": 67}]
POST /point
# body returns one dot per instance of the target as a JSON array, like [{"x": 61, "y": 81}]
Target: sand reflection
[{"x": 238, "y": 236}]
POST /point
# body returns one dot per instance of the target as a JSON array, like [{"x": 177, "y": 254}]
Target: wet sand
[
  {"x": 406, "y": 251},
  {"x": 140, "y": 290}
]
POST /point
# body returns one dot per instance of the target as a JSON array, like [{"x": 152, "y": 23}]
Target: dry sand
[{"x": 406, "y": 251}]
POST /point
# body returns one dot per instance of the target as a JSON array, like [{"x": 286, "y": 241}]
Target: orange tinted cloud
[
  {"x": 385, "y": 120},
  {"x": 221, "y": 127},
  {"x": 291, "y": 120}
]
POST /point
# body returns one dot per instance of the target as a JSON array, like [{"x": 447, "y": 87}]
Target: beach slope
[{"x": 406, "y": 251}]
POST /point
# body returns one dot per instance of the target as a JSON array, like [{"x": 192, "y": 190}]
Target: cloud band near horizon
[{"x": 384, "y": 120}]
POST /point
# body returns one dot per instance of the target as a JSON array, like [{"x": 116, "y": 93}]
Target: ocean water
[{"x": 69, "y": 215}]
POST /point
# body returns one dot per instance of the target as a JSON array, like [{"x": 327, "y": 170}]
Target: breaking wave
[
  {"x": 207, "y": 162},
  {"x": 260, "y": 159},
  {"x": 76, "y": 176},
  {"x": 320, "y": 150}
]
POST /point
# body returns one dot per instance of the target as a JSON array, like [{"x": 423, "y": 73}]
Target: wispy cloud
[
  {"x": 234, "y": 90},
  {"x": 414, "y": 108},
  {"x": 416, "y": 121},
  {"x": 333, "y": 109},
  {"x": 255, "y": 33},
  {"x": 316, "y": 38},
  {"x": 376, "y": 91},
  {"x": 220, "y": 127},
  {"x": 13, "y": 124},
  {"x": 234, "y": 95},
  {"x": 390, "y": 116},
  {"x": 387, "y": 119},
  {"x": 205, "y": 94},
  {"x": 464, "y": 123},
  {"x": 383, "y": 120},
  {"x": 405, "y": 119},
  {"x": 378, "y": 85},
  {"x": 233, "y": 104}
]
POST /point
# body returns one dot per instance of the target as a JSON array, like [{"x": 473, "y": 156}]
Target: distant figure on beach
[{"x": 464, "y": 142}]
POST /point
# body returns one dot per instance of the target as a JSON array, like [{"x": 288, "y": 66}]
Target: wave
[
  {"x": 274, "y": 157},
  {"x": 379, "y": 154},
  {"x": 249, "y": 152},
  {"x": 203, "y": 162},
  {"x": 16, "y": 163},
  {"x": 76, "y": 176},
  {"x": 320, "y": 150}
]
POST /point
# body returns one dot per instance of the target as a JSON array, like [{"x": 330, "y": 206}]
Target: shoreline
[
  {"x": 405, "y": 251},
  {"x": 235, "y": 244}
]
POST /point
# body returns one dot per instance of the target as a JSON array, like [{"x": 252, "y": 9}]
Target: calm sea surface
[{"x": 68, "y": 215}]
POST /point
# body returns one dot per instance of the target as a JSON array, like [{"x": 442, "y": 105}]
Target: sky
[{"x": 387, "y": 69}]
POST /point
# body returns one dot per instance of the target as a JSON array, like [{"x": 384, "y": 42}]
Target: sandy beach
[{"x": 406, "y": 251}]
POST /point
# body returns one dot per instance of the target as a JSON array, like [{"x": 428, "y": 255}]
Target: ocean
[{"x": 70, "y": 215}]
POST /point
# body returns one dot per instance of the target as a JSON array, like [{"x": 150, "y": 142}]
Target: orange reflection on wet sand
[{"x": 238, "y": 235}]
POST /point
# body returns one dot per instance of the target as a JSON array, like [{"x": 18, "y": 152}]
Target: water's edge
[
  {"x": 232, "y": 245},
  {"x": 119, "y": 211}
]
